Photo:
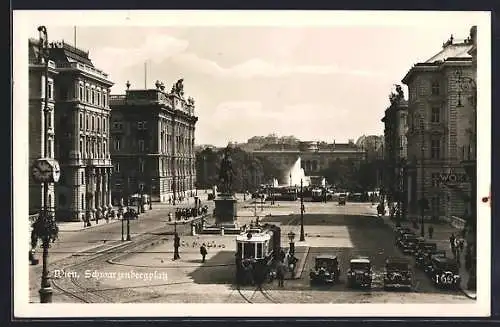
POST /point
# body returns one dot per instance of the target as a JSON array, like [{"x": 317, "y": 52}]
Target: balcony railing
[
  {"x": 35, "y": 62},
  {"x": 84, "y": 68}
]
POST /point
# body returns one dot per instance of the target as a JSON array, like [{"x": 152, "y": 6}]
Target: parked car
[
  {"x": 408, "y": 243},
  {"x": 342, "y": 199},
  {"x": 422, "y": 251},
  {"x": 359, "y": 273},
  {"x": 326, "y": 270},
  {"x": 398, "y": 273},
  {"x": 402, "y": 230},
  {"x": 427, "y": 263},
  {"x": 445, "y": 272}
]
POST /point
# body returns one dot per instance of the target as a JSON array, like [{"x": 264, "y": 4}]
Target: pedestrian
[
  {"x": 452, "y": 244},
  {"x": 280, "y": 273},
  {"x": 461, "y": 245},
  {"x": 177, "y": 243},
  {"x": 203, "y": 252},
  {"x": 431, "y": 231}
]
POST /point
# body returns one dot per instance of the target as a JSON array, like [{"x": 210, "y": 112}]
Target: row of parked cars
[
  {"x": 398, "y": 272},
  {"x": 443, "y": 270},
  {"x": 360, "y": 272}
]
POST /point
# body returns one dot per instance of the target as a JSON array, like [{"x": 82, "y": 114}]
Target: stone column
[
  {"x": 104, "y": 184},
  {"x": 110, "y": 202},
  {"x": 98, "y": 193},
  {"x": 92, "y": 200}
]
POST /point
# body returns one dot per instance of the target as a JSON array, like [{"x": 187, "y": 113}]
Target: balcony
[
  {"x": 35, "y": 62},
  {"x": 436, "y": 128},
  {"x": 98, "y": 162},
  {"x": 83, "y": 68}
]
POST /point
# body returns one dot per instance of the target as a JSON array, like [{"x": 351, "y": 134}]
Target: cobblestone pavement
[{"x": 152, "y": 276}]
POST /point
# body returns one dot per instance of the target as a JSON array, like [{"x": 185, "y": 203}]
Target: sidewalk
[{"x": 441, "y": 236}]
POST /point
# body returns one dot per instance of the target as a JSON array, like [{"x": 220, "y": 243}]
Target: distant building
[
  {"x": 395, "y": 147},
  {"x": 314, "y": 156},
  {"x": 373, "y": 145},
  {"x": 79, "y": 130},
  {"x": 439, "y": 125},
  {"x": 153, "y": 149}
]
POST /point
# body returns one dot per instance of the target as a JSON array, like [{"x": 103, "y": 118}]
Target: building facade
[
  {"x": 38, "y": 134},
  {"x": 78, "y": 132},
  {"x": 395, "y": 147},
  {"x": 314, "y": 156},
  {"x": 438, "y": 129},
  {"x": 152, "y": 148}
]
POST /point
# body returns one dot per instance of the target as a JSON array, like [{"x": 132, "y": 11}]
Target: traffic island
[{"x": 301, "y": 253}]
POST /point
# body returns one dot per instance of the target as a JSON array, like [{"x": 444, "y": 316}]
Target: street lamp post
[
  {"x": 302, "y": 237},
  {"x": 128, "y": 225},
  {"x": 45, "y": 170},
  {"x": 291, "y": 236}
]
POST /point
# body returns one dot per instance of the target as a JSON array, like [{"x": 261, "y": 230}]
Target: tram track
[{"x": 73, "y": 288}]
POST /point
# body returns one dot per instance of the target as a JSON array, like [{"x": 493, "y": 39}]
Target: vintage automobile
[
  {"x": 342, "y": 199},
  {"x": 359, "y": 273},
  {"x": 408, "y": 242},
  {"x": 427, "y": 262},
  {"x": 399, "y": 237},
  {"x": 398, "y": 273},
  {"x": 326, "y": 270},
  {"x": 445, "y": 272},
  {"x": 402, "y": 230},
  {"x": 423, "y": 249}
]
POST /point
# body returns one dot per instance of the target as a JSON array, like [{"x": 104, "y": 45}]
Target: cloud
[
  {"x": 257, "y": 67},
  {"x": 155, "y": 48}
]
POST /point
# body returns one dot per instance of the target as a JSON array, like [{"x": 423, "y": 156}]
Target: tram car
[
  {"x": 257, "y": 249},
  {"x": 317, "y": 195}
]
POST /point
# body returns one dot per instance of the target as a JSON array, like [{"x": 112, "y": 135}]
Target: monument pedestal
[
  {"x": 225, "y": 216},
  {"x": 225, "y": 210}
]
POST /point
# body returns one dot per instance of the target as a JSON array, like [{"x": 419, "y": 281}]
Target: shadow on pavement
[{"x": 218, "y": 269}]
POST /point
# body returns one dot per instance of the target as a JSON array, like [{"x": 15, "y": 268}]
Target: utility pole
[{"x": 302, "y": 237}]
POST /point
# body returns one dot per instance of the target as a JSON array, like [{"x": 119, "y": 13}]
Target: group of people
[{"x": 186, "y": 213}]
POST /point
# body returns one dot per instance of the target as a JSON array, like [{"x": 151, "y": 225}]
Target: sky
[{"x": 315, "y": 82}]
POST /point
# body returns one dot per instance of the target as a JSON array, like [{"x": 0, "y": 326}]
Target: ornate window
[
  {"x": 435, "y": 114},
  {"x": 435, "y": 88},
  {"x": 435, "y": 149}
]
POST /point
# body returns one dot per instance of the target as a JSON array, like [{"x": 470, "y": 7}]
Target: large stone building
[
  {"x": 37, "y": 127},
  {"x": 78, "y": 92},
  {"x": 153, "y": 143},
  {"x": 439, "y": 124},
  {"x": 395, "y": 146},
  {"x": 314, "y": 156}
]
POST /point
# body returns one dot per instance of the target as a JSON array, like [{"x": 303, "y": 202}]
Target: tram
[
  {"x": 257, "y": 249},
  {"x": 317, "y": 195}
]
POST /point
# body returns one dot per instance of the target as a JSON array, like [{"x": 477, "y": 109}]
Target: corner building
[
  {"x": 438, "y": 127},
  {"x": 37, "y": 130},
  {"x": 82, "y": 116},
  {"x": 78, "y": 131},
  {"x": 153, "y": 134}
]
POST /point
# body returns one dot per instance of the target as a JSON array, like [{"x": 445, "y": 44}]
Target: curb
[
  {"x": 301, "y": 264},
  {"x": 111, "y": 221},
  {"x": 466, "y": 293}
]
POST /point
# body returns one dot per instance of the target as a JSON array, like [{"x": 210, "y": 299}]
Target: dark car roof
[
  {"x": 326, "y": 257},
  {"x": 445, "y": 260},
  {"x": 397, "y": 260}
]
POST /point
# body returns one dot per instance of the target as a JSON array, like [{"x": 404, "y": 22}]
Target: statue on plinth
[
  {"x": 397, "y": 97},
  {"x": 226, "y": 173}
]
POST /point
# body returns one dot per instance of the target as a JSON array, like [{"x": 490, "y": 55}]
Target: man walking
[
  {"x": 431, "y": 231},
  {"x": 280, "y": 273},
  {"x": 177, "y": 243},
  {"x": 203, "y": 252},
  {"x": 452, "y": 244}
]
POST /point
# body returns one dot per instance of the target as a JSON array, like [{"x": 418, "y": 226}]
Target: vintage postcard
[{"x": 171, "y": 163}]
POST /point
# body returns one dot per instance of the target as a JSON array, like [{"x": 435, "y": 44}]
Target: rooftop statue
[
  {"x": 178, "y": 87},
  {"x": 397, "y": 97}
]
